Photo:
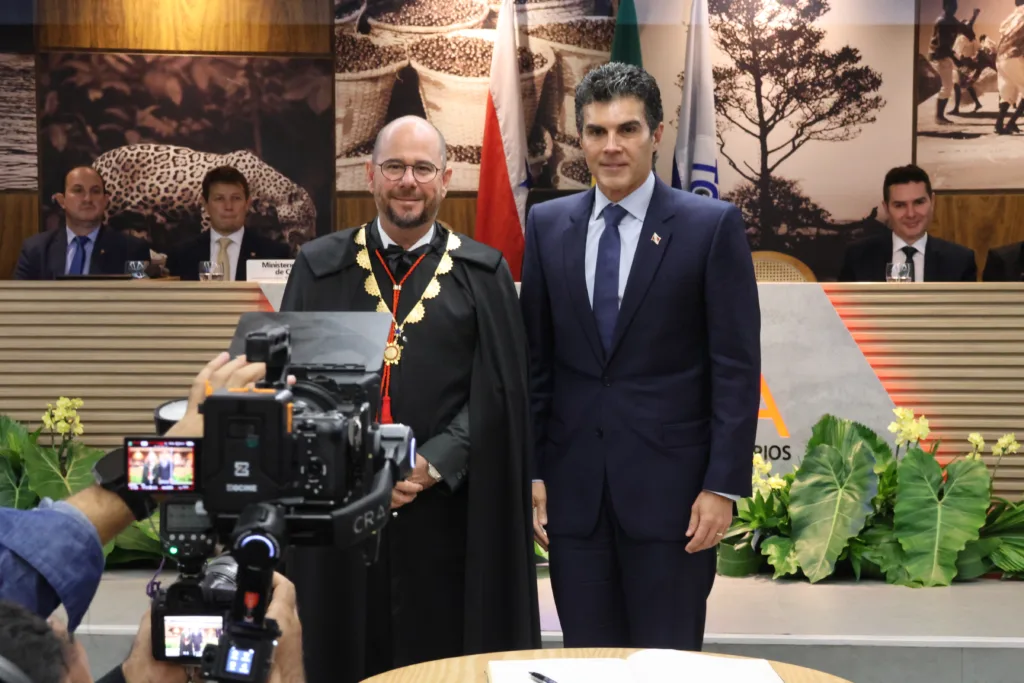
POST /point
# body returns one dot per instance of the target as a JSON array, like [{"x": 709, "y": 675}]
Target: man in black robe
[{"x": 455, "y": 572}]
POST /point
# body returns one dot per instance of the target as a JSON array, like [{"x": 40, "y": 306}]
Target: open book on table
[{"x": 645, "y": 666}]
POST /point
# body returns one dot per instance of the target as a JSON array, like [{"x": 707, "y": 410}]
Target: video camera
[{"x": 279, "y": 464}]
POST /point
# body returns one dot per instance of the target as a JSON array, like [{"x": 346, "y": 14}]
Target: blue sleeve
[{"x": 49, "y": 556}]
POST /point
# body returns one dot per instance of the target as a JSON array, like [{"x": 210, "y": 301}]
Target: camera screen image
[
  {"x": 166, "y": 465},
  {"x": 185, "y": 635},
  {"x": 240, "y": 660}
]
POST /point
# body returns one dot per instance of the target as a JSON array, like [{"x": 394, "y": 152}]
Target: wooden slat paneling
[
  {"x": 459, "y": 212},
  {"x": 19, "y": 219},
  {"x": 122, "y": 347},
  {"x": 249, "y": 26},
  {"x": 952, "y": 352}
]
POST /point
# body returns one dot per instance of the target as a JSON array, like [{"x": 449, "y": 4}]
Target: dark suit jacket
[
  {"x": 184, "y": 261},
  {"x": 43, "y": 256},
  {"x": 944, "y": 261},
  {"x": 673, "y": 408},
  {"x": 1004, "y": 264}
]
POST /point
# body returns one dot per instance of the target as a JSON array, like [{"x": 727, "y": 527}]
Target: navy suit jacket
[
  {"x": 944, "y": 261},
  {"x": 672, "y": 409},
  {"x": 43, "y": 256},
  {"x": 184, "y": 261}
]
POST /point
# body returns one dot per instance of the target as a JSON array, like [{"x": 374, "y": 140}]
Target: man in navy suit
[
  {"x": 910, "y": 203},
  {"x": 84, "y": 246},
  {"x": 226, "y": 200},
  {"x": 643, "y": 324}
]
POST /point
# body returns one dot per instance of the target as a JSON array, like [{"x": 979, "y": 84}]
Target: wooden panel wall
[
  {"x": 19, "y": 219},
  {"x": 951, "y": 352},
  {"x": 276, "y": 26},
  {"x": 979, "y": 221},
  {"x": 458, "y": 212},
  {"x": 101, "y": 342}
]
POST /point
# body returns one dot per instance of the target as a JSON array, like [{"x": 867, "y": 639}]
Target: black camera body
[{"x": 300, "y": 463}]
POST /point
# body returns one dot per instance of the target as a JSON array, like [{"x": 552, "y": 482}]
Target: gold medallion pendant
[{"x": 392, "y": 353}]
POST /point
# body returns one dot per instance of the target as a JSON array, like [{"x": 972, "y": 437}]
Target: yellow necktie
[{"x": 223, "y": 260}]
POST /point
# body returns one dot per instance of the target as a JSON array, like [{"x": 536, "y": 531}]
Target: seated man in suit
[
  {"x": 908, "y": 196},
  {"x": 84, "y": 246},
  {"x": 227, "y": 201},
  {"x": 1005, "y": 264}
]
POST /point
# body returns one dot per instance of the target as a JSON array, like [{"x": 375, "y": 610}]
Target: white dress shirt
[
  {"x": 636, "y": 204},
  {"x": 234, "y": 249},
  {"x": 899, "y": 257},
  {"x": 387, "y": 241}
]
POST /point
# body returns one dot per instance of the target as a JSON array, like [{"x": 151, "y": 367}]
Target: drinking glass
[
  {"x": 137, "y": 269},
  {"x": 210, "y": 271},
  {"x": 897, "y": 272}
]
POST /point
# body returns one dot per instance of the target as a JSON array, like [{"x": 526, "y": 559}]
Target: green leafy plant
[
  {"x": 51, "y": 463},
  {"x": 854, "y": 503}
]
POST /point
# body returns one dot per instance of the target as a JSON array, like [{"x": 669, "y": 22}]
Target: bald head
[
  {"x": 405, "y": 129},
  {"x": 84, "y": 176}
]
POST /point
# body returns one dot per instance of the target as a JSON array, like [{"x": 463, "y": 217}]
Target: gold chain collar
[{"x": 393, "y": 352}]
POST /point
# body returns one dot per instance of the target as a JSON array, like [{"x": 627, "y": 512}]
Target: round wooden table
[{"x": 472, "y": 669}]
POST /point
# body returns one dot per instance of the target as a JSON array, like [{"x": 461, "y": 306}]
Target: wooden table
[{"x": 472, "y": 669}]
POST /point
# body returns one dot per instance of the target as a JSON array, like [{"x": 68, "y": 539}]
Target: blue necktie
[
  {"x": 606, "y": 274},
  {"x": 78, "y": 261}
]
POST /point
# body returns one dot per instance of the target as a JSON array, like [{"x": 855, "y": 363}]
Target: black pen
[{"x": 541, "y": 678}]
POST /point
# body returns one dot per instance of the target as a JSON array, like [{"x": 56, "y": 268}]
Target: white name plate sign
[{"x": 272, "y": 270}]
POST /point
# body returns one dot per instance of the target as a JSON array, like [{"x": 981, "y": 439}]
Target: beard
[{"x": 407, "y": 221}]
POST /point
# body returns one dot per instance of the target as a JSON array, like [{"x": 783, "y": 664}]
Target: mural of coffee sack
[
  {"x": 154, "y": 124},
  {"x": 432, "y": 58},
  {"x": 970, "y": 92}
]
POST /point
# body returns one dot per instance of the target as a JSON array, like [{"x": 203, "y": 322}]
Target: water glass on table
[
  {"x": 897, "y": 272},
  {"x": 137, "y": 269},
  {"x": 210, "y": 271}
]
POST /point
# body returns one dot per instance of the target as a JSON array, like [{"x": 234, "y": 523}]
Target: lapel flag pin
[{"x": 656, "y": 238}]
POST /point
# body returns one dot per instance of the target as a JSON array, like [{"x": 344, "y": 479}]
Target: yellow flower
[
  {"x": 1006, "y": 444},
  {"x": 976, "y": 440},
  {"x": 63, "y": 427},
  {"x": 47, "y": 420},
  {"x": 776, "y": 482},
  {"x": 760, "y": 465},
  {"x": 903, "y": 414},
  {"x": 78, "y": 429}
]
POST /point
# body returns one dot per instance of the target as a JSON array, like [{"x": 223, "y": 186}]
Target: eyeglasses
[{"x": 422, "y": 171}]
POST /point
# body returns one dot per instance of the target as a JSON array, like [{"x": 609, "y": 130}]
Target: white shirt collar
[
  {"x": 387, "y": 241},
  {"x": 636, "y": 202},
  {"x": 235, "y": 237},
  {"x": 898, "y": 243}
]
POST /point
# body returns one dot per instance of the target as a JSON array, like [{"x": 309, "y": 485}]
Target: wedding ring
[{"x": 719, "y": 534}]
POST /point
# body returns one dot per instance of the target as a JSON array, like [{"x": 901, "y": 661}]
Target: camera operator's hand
[
  {"x": 140, "y": 667},
  {"x": 219, "y": 373},
  {"x": 419, "y": 474},
  {"x": 287, "y": 667},
  {"x": 404, "y": 493}
]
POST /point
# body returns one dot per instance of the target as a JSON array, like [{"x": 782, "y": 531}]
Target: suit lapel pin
[
  {"x": 252, "y": 254},
  {"x": 102, "y": 252},
  {"x": 656, "y": 238}
]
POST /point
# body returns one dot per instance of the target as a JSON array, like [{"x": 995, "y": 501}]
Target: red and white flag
[{"x": 501, "y": 201}]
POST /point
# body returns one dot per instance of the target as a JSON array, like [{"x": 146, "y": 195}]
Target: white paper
[
  {"x": 560, "y": 670},
  {"x": 666, "y": 666}
]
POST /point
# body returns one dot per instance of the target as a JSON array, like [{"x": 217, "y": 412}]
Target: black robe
[{"x": 456, "y": 572}]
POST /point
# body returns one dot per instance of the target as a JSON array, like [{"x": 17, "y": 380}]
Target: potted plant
[
  {"x": 855, "y": 502},
  {"x": 51, "y": 462}
]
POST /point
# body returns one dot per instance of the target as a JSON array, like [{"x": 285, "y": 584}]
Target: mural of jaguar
[{"x": 166, "y": 181}]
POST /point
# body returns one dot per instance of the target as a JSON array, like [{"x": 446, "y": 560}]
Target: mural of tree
[{"x": 784, "y": 89}]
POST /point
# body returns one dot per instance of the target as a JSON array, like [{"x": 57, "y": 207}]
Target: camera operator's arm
[
  {"x": 140, "y": 667},
  {"x": 218, "y": 374},
  {"x": 67, "y": 566},
  {"x": 287, "y": 667},
  {"x": 448, "y": 452}
]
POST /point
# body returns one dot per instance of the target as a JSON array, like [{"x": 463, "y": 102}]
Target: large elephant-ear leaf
[
  {"x": 935, "y": 519},
  {"x": 829, "y": 503}
]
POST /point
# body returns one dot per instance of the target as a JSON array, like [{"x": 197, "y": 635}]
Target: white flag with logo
[{"x": 695, "y": 165}]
